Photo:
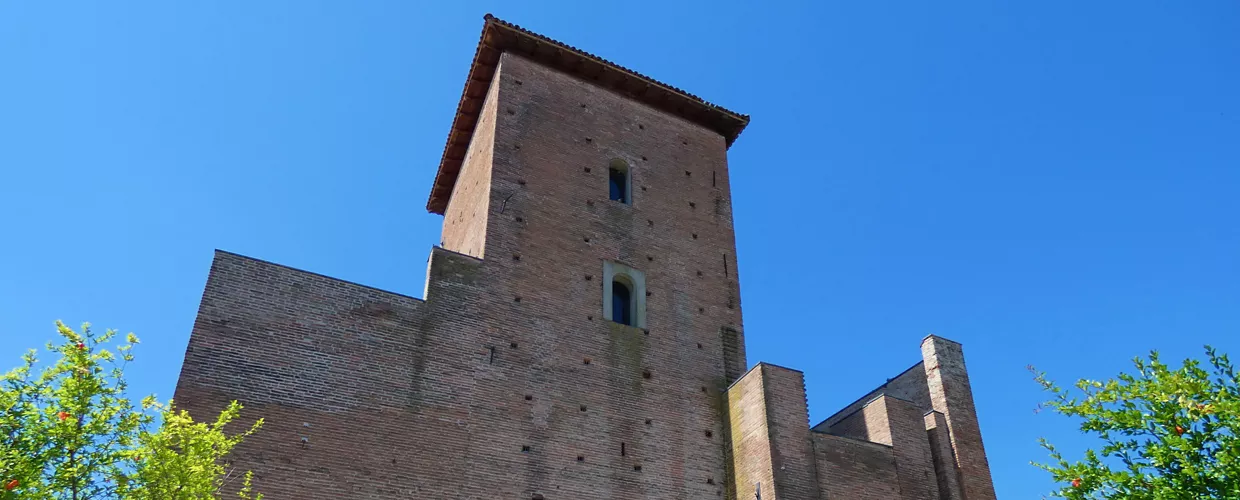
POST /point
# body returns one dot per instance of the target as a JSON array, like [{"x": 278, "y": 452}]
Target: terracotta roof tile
[{"x": 499, "y": 36}]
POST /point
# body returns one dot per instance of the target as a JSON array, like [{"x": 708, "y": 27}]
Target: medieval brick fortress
[{"x": 580, "y": 333}]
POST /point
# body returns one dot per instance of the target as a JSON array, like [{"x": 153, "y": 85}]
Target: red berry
[
  {"x": 11, "y": 484},
  {"x": 1076, "y": 483},
  {"x": 81, "y": 345},
  {"x": 1179, "y": 431}
]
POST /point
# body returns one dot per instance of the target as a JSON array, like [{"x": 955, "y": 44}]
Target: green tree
[
  {"x": 1166, "y": 434},
  {"x": 70, "y": 432}
]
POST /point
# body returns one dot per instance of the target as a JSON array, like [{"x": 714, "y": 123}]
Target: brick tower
[{"x": 580, "y": 332}]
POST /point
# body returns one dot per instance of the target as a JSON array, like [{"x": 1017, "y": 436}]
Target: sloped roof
[{"x": 499, "y": 36}]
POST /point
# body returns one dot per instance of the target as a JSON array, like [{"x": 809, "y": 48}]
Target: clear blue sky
[{"x": 1048, "y": 182}]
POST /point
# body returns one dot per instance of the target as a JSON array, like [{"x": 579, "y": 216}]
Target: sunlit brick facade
[{"x": 516, "y": 375}]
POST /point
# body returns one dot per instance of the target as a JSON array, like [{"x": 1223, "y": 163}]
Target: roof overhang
[{"x": 499, "y": 36}]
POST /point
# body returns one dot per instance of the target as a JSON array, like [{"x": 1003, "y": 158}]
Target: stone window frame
[{"x": 635, "y": 280}]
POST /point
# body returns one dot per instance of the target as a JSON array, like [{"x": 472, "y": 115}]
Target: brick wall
[
  {"x": 899, "y": 424},
  {"x": 911, "y": 447},
  {"x": 851, "y": 469},
  {"x": 465, "y": 220},
  {"x": 952, "y": 396},
  {"x": 946, "y": 474},
  {"x": 752, "y": 463},
  {"x": 909, "y": 385},
  {"x": 865, "y": 423},
  {"x": 506, "y": 382},
  {"x": 787, "y": 415},
  {"x": 654, "y": 392},
  {"x": 337, "y": 370},
  {"x": 771, "y": 450},
  {"x": 927, "y": 415}
]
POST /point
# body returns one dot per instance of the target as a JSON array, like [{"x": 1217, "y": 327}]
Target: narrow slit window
[
  {"x": 618, "y": 181},
  {"x": 621, "y": 303}
]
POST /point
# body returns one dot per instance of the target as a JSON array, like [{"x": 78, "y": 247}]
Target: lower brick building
[{"x": 580, "y": 332}]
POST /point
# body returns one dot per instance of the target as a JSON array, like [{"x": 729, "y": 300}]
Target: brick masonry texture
[
  {"x": 506, "y": 381},
  {"x": 854, "y": 469},
  {"x": 465, "y": 221}
]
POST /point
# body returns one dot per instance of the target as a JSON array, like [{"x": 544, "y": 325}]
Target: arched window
[
  {"x": 621, "y": 302},
  {"x": 618, "y": 181},
  {"x": 624, "y": 294}
]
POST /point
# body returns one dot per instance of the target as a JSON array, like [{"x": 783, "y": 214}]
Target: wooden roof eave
[{"x": 499, "y": 36}]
